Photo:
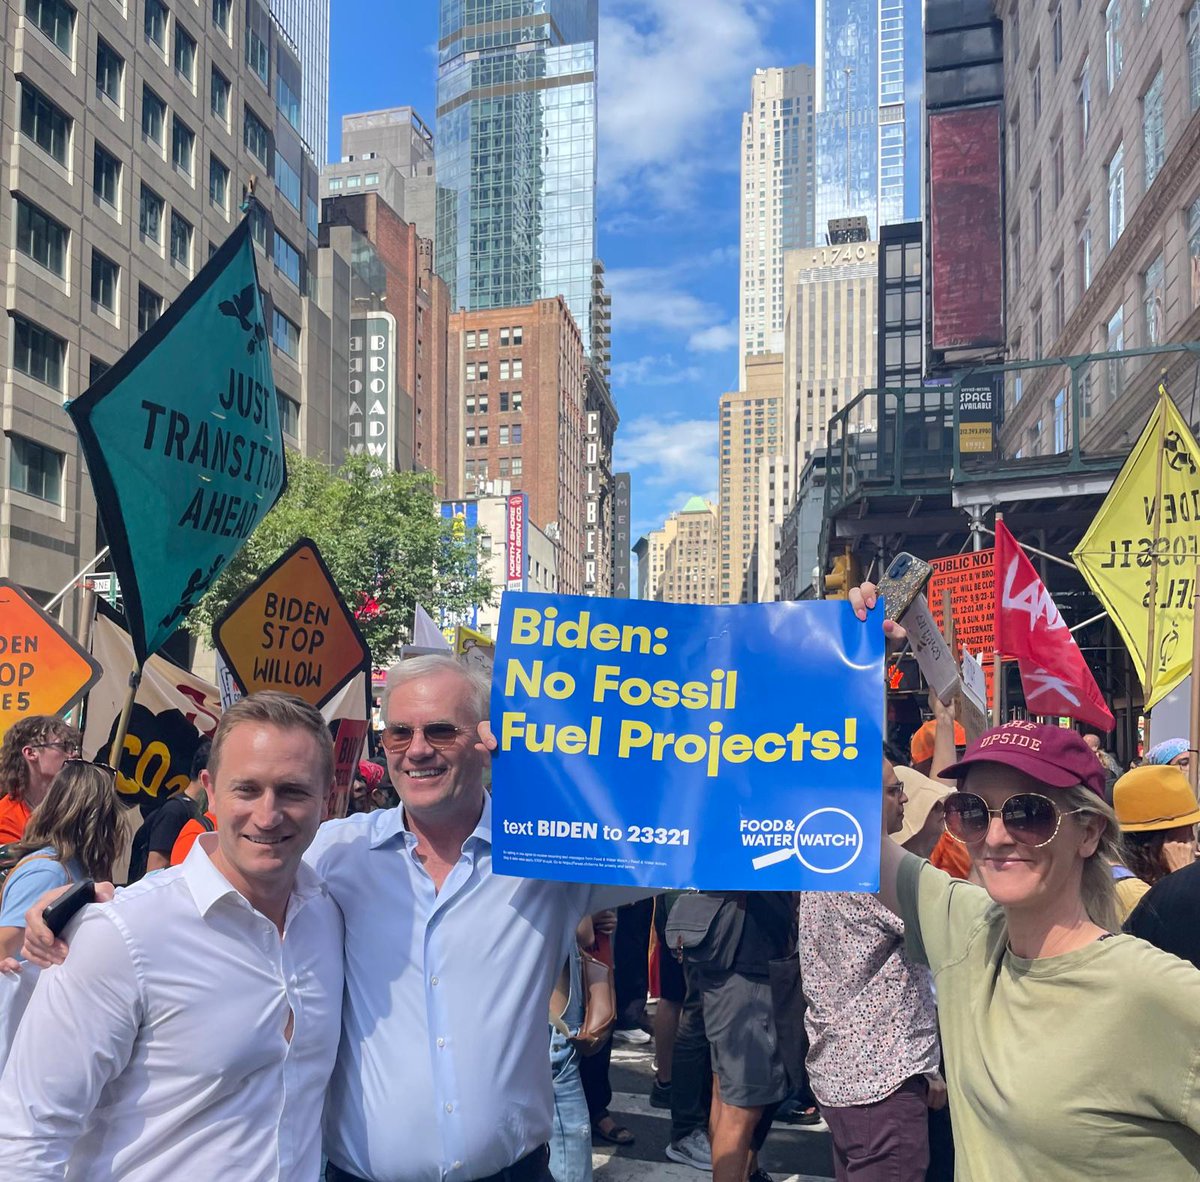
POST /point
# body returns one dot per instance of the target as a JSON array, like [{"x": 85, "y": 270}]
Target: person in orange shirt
[
  {"x": 206, "y": 823},
  {"x": 932, "y": 751},
  {"x": 32, "y": 754}
]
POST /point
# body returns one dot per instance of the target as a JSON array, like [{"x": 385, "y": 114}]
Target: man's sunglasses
[
  {"x": 439, "y": 735},
  {"x": 71, "y": 749},
  {"x": 1030, "y": 818}
]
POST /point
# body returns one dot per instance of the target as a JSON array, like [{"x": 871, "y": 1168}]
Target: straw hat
[{"x": 923, "y": 793}]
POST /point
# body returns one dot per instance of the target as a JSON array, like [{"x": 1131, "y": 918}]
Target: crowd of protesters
[{"x": 1016, "y": 1002}]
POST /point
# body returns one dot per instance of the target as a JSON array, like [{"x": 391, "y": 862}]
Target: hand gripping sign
[{"x": 723, "y": 748}]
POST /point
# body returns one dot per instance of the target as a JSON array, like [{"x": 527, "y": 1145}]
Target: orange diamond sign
[
  {"x": 43, "y": 670},
  {"x": 291, "y": 631}
]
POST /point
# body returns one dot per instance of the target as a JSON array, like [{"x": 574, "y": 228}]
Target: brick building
[{"x": 516, "y": 414}]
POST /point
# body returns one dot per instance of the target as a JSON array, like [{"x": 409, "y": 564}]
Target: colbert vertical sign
[
  {"x": 978, "y": 411},
  {"x": 517, "y": 511},
  {"x": 372, "y": 387}
]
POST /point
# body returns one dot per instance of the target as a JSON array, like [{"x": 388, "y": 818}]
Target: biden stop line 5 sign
[{"x": 43, "y": 670}]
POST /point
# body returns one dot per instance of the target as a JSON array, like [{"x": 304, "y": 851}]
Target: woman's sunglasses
[
  {"x": 107, "y": 767},
  {"x": 1030, "y": 818},
  {"x": 439, "y": 735}
]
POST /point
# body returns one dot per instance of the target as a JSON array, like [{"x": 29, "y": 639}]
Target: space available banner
[
  {"x": 183, "y": 442},
  {"x": 667, "y": 745}
]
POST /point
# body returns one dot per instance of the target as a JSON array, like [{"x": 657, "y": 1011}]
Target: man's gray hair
[{"x": 414, "y": 668}]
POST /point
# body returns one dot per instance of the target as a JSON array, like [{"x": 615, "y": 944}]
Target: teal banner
[{"x": 183, "y": 442}]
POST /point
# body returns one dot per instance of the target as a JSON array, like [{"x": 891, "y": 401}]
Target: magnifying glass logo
[{"x": 825, "y": 834}]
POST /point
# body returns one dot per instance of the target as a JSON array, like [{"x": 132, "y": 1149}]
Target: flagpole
[
  {"x": 1148, "y": 678},
  {"x": 1194, "y": 729},
  {"x": 997, "y": 665},
  {"x": 118, "y": 744}
]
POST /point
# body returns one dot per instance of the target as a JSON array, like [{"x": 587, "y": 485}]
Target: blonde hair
[
  {"x": 271, "y": 708},
  {"x": 1097, "y": 888},
  {"x": 78, "y": 818}
]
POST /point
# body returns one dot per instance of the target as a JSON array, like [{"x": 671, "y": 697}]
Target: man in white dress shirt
[{"x": 192, "y": 1031}]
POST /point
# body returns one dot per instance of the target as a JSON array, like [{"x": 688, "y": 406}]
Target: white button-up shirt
[
  {"x": 157, "y": 1050},
  {"x": 443, "y": 1072}
]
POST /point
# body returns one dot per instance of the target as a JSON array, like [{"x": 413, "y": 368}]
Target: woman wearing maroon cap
[{"x": 1071, "y": 1052}]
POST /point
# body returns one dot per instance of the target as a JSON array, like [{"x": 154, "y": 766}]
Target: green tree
[{"x": 382, "y": 539}]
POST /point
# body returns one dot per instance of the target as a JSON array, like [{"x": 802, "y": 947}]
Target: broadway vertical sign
[{"x": 183, "y": 443}]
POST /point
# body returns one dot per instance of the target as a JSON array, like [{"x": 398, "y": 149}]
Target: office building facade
[
  {"x": 651, "y": 550},
  {"x": 306, "y": 25},
  {"x": 516, "y": 154},
  {"x": 778, "y": 192},
  {"x": 692, "y": 556},
  {"x": 869, "y": 81},
  {"x": 129, "y": 139}
]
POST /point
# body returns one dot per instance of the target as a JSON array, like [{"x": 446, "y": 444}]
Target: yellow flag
[
  {"x": 1118, "y": 550},
  {"x": 475, "y": 648}
]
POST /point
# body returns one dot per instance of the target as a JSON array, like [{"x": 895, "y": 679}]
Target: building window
[
  {"x": 289, "y": 415},
  {"x": 42, "y": 238},
  {"x": 38, "y": 352},
  {"x": 1060, "y": 421},
  {"x": 181, "y": 241},
  {"x": 154, "y": 116},
  {"x": 285, "y": 334},
  {"x": 517, "y": 465},
  {"x": 287, "y": 181},
  {"x": 256, "y": 137},
  {"x": 1035, "y": 86},
  {"x": 470, "y": 340},
  {"x": 353, "y": 182},
  {"x": 516, "y": 400},
  {"x": 504, "y": 471},
  {"x": 104, "y": 281},
  {"x": 503, "y": 435},
  {"x": 288, "y": 102},
  {"x": 470, "y": 436},
  {"x": 35, "y": 470},
  {"x": 220, "y": 14},
  {"x": 1193, "y": 54},
  {"x": 1113, "y": 60},
  {"x": 1115, "y": 343},
  {"x": 1035, "y": 200},
  {"x": 1084, "y": 103},
  {"x": 1154, "y": 137},
  {"x": 472, "y": 369},
  {"x": 1193, "y": 229},
  {"x": 372, "y": 178},
  {"x": 110, "y": 69},
  {"x": 256, "y": 54},
  {"x": 55, "y": 19},
  {"x": 218, "y": 95},
  {"x": 1116, "y": 196},
  {"x": 336, "y": 184},
  {"x": 150, "y": 215},
  {"x": 149, "y": 308},
  {"x": 516, "y": 335},
  {"x": 183, "y": 142},
  {"x": 185, "y": 54},
  {"x": 504, "y": 371},
  {"x": 516, "y": 433},
  {"x": 1058, "y": 169},
  {"x": 1154, "y": 295},
  {"x": 156, "y": 23},
  {"x": 218, "y": 184},
  {"x": 483, "y": 436},
  {"x": 1058, "y": 292},
  {"x": 1084, "y": 246},
  {"x": 258, "y": 224},
  {"x": 106, "y": 176},
  {"x": 516, "y": 368},
  {"x": 44, "y": 123},
  {"x": 96, "y": 369},
  {"x": 287, "y": 259},
  {"x": 1056, "y": 37},
  {"x": 1016, "y": 262}
]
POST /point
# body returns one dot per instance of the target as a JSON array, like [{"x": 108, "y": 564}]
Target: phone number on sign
[{"x": 591, "y": 830}]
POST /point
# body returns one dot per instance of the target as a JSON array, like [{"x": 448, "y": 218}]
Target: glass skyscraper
[
  {"x": 870, "y": 62},
  {"x": 306, "y": 23},
  {"x": 516, "y": 153}
]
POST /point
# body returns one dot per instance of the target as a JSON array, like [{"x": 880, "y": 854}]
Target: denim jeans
[{"x": 571, "y": 1140}]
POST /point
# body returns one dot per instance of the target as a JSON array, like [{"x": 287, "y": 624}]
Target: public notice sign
[
  {"x": 652, "y": 744},
  {"x": 183, "y": 443},
  {"x": 43, "y": 670},
  {"x": 291, "y": 630},
  {"x": 971, "y": 580}
]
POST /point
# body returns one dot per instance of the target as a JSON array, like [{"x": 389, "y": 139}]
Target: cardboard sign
[
  {"x": 653, "y": 744},
  {"x": 291, "y": 631},
  {"x": 349, "y": 735},
  {"x": 183, "y": 443},
  {"x": 42, "y": 668}
]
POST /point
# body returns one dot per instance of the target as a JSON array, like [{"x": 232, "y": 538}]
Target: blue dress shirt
[{"x": 443, "y": 1070}]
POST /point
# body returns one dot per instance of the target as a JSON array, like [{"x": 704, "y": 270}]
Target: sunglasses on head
[
  {"x": 1030, "y": 818},
  {"x": 100, "y": 763},
  {"x": 439, "y": 735}
]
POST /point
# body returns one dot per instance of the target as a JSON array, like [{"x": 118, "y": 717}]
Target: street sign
[
  {"x": 291, "y": 631},
  {"x": 42, "y": 668}
]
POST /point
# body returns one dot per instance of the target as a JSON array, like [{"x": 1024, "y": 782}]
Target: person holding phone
[
  {"x": 1068, "y": 1048},
  {"x": 72, "y": 835},
  {"x": 192, "y": 1031}
]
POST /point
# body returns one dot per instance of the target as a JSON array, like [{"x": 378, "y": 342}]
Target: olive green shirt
[{"x": 1075, "y": 1066}]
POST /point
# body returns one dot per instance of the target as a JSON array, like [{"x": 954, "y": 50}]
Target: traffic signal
[{"x": 843, "y": 576}]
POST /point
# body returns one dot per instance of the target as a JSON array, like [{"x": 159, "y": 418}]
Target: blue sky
[{"x": 674, "y": 79}]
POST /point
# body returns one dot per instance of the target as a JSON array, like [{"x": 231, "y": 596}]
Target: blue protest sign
[
  {"x": 653, "y": 744},
  {"x": 183, "y": 443}
]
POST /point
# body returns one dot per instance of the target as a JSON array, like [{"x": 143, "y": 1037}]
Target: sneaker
[
  {"x": 660, "y": 1094},
  {"x": 692, "y": 1150},
  {"x": 635, "y": 1036}
]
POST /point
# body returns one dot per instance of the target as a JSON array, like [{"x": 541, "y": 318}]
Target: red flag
[{"x": 1054, "y": 675}]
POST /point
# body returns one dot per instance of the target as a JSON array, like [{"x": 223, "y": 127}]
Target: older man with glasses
[{"x": 31, "y": 755}]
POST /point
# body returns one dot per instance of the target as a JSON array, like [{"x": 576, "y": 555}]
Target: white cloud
[
  {"x": 674, "y": 77},
  {"x": 668, "y": 450},
  {"x": 658, "y": 298},
  {"x": 654, "y": 371},
  {"x": 717, "y": 338}
]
